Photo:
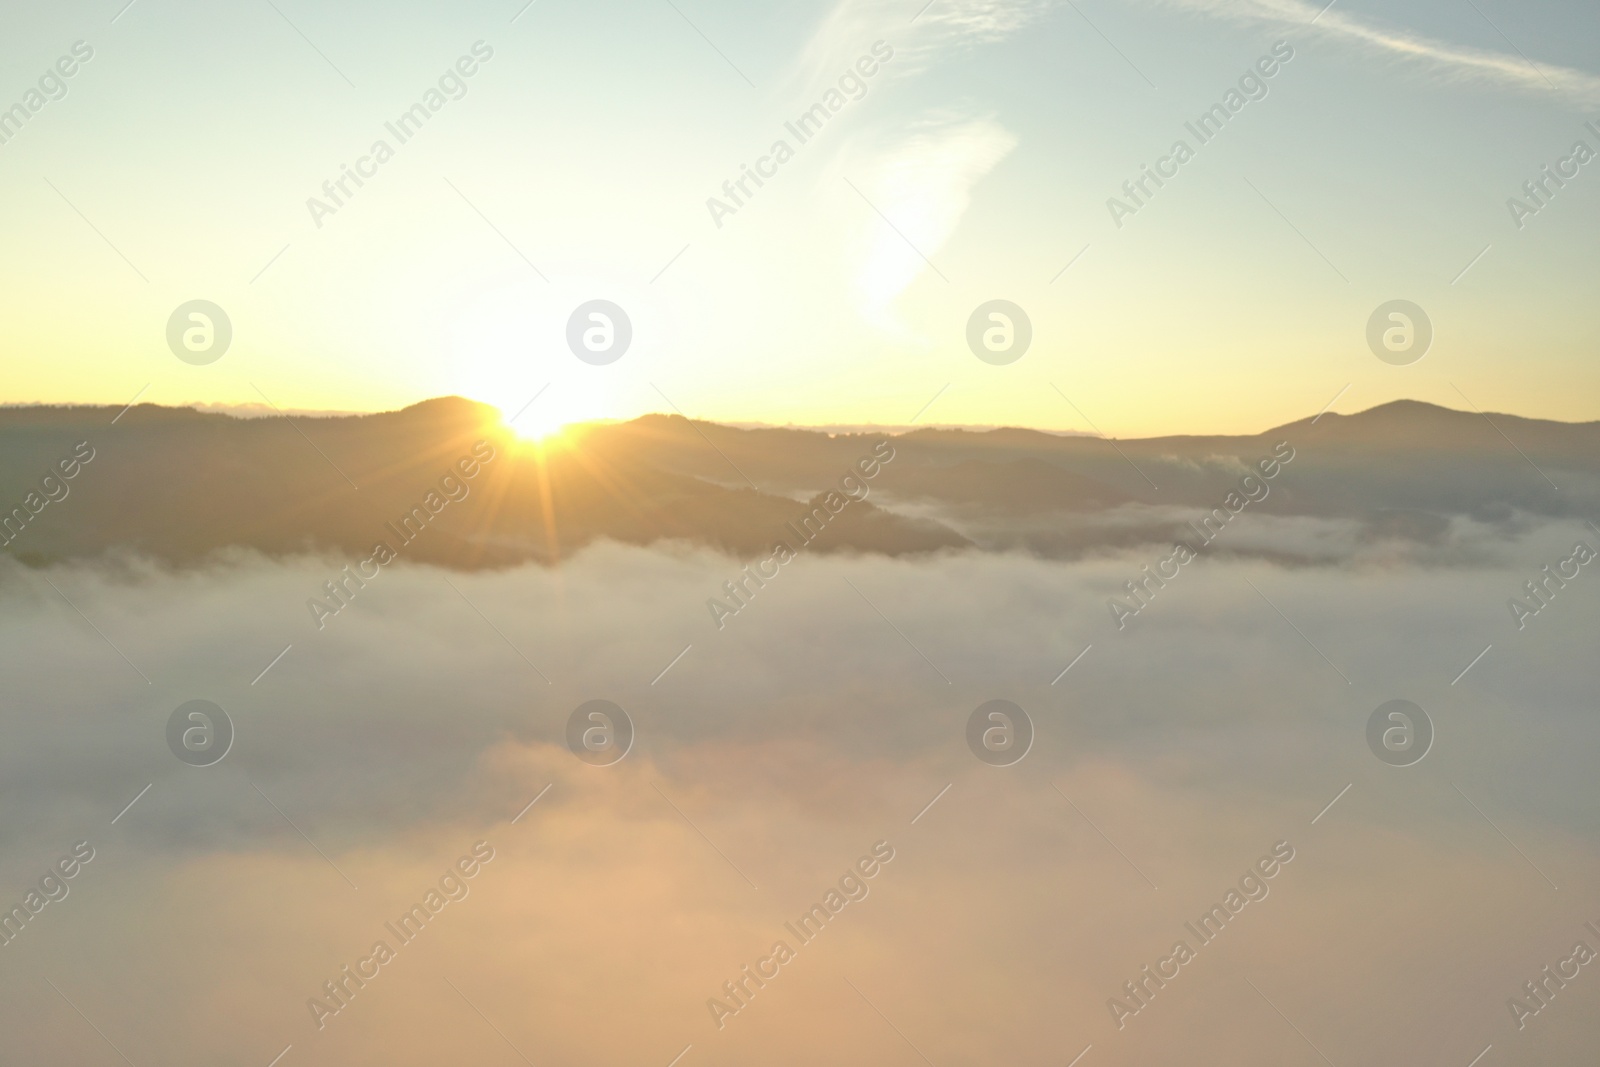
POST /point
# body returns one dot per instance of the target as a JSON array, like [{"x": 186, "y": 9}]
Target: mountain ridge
[{"x": 179, "y": 484}]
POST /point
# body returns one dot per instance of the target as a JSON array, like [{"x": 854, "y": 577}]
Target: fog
[{"x": 820, "y": 719}]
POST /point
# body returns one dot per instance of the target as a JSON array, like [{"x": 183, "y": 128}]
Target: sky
[{"x": 976, "y": 165}]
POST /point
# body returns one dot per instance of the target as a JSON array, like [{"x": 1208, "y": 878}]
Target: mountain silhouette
[{"x": 178, "y": 485}]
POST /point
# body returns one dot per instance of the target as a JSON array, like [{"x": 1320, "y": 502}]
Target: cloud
[
  {"x": 411, "y": 707},
  {"x": 948, "y": 25},
  {"x": 919, "y": 39},
  {"x": 923, "y": 181},
  {"x": 922, "y": 185},
  {"x": 1452, "y": 62},
  {"x": 780, "y": 748}
]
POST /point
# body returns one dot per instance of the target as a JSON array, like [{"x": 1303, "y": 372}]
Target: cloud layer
[{"x": 774, "y": 752}]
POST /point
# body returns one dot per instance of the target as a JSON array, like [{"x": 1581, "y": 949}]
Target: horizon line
[{"x": 250, "y": 411}]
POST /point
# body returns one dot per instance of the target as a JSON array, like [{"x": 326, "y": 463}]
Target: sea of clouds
[{"x": 1165, "y": 761}]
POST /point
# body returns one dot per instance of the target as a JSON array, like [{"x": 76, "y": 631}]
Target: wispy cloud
[
  {"x": 918, "y": 39},
  {"x": 917, "y": 180},
  {"x": 922, "y": 185},
  {"x": 1509, "y": 69}
]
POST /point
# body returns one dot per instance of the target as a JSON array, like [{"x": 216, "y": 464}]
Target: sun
[
  {"x": 551, "y": 412},
  {"x": 535, "y": 423},
  {"x": 508, "y": 348}
]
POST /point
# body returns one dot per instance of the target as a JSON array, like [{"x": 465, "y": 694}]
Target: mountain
[{"x": 177, "y": 485}]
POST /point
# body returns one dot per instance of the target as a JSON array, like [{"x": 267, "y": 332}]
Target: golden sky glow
[{"x": 1234, "y": 298}]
